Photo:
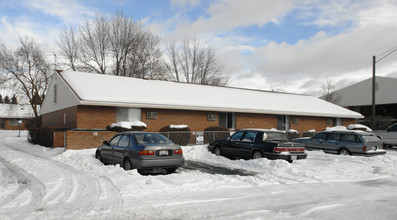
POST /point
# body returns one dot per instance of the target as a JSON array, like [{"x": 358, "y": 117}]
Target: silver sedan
[{"x": 141, "y": 150}]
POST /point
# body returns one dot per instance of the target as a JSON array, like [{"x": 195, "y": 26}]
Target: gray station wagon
[
  {"x": 141, "y": 150},
  {"x": 344, "y": 142}
]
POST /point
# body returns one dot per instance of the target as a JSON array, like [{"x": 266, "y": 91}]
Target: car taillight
[
  {"x": 146, "y": 153},
  {"x": 178, "y": 151},
  {"x": 364, "y": 148},
  {"x": 289, "y": 149}
]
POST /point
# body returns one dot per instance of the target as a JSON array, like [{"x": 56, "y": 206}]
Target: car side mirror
[{"x": 106, "y": 142}]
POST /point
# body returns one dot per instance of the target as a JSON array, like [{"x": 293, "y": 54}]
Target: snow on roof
[
  {"x": 109, "y": 90},
  {"x": 15, "y": 111}
]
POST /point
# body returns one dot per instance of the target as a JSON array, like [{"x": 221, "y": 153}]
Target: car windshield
[
  {"x": 370, "y": 138},
  {"x": 273, "y": 136},
  {"x": 151, "y": 139}
]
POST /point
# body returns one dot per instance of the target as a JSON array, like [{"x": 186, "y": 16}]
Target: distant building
[
  {"x": 358, "y": 97},
  {"x": 12, "y": 114}
]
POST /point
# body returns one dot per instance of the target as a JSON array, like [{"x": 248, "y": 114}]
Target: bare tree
[
  {"x": 328, "y": 92},
  {"x": 26, "y": 69},
  {"x": 192, "y": 62},
  {"x": 113, "y": 45},
  {"x": 69, "y": 46}
]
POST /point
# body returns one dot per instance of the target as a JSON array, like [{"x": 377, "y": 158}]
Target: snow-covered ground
[{"x": 42, "y": 183}]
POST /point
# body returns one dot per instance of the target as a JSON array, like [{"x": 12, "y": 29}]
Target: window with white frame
[
  {"x": 151, "y": 115},
  {"x": 211, "y": 117}
]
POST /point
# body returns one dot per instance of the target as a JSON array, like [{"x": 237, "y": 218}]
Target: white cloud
[
  {"x": 71, "y": 13},
  {"x": 227, "y": 15}
]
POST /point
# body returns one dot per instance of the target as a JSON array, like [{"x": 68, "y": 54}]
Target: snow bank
[
  {"x": 293, "y": 131},
  {"x": 311, "y": 130},
  {"x": 128, "y": 124}
]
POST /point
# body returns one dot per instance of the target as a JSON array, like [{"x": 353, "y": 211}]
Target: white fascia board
[{"x": 217, "y": 109}]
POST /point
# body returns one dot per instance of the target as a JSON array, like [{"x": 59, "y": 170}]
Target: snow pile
[
  {"x": 128, "y": 124},
  {"x": 311, "y": 130},
  {"x": 178, "y": 126},
  {"x": 358, "y": 127},
  {"x": 51, "y": 184},
  {"x": 293, "y": 131},
  {"x": 336, "y": 128}
]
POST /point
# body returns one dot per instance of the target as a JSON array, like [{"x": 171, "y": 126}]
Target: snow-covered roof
[
  {"x": 360, "y": 94},
  {"x": 109, "y": 90},
  {"x": 15, "y": 111}
]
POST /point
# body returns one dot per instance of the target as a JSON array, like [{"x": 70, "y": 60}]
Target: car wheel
[
  {"x": 127, "y": 165},
  {"x": 257, "y": 155},
  {"x": 218, "y": 151},
  {"x": 344, "y": 151},
  {"x": 98, "y": 156}
]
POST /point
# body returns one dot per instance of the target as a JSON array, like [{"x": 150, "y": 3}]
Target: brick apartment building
[
  {"x": 78, "y": 100},
  {"x": 14, "y": 116}
]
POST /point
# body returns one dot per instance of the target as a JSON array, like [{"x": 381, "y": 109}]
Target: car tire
[
  {"x": 127, "y": 165},
  {"x": 98, "y": 156},
  {"x": 217, "y": 151},
  {"x": 344, "y": 151},
  {"x": 257, "y": 155}
]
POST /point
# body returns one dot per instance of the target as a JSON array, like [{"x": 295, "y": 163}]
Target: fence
[{"x": 81, "y": 139}]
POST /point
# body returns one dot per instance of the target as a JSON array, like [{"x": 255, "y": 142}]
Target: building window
[
  {"x": 15, "y": 122},
  {"x": 295, "y": 120},
  {"x": 151, "y": 115},
  {"x": 227, "y": 120},
  {"x": 329, "y": 121},
  {"x": 283, "y": 122},
  {"x": 128, "y": 114},
  {"x": 211, "y": 117},
  {"x": 55, "y": 93}
]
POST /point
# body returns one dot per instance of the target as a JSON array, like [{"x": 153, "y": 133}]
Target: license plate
[
  {"x": 163, "y": 153},
  {"x": 294, "y": 157}
]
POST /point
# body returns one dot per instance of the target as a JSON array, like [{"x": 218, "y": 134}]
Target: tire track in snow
[
  {"x": 77, "y": 193},
  {"x": 36, "y": 187}
]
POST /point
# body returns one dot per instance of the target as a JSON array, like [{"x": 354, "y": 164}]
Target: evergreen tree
[
  {"x": 14, "y": 100},
  {"x": 1, "y": 99},
  {"x": 7, "y": 99}
]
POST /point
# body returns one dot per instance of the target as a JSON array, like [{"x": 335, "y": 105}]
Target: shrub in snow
[
  {"x": 215, "y": 133},
  {"x": 178, "y": 126},
  {"x": 309, "y": 133},
  {"x": 127, "y": 126},
  {"x": 178, "y": 134},
  {"x": 292, "y": 134}
]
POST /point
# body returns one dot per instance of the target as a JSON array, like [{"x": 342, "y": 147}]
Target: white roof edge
[{"x": 216, "y": 109}]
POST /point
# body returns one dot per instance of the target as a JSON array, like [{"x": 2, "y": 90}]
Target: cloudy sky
[{"x": 282, "y": 45}]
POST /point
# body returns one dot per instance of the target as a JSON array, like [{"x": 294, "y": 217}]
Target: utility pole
[
  {"x": 374, "y": 61},
  {"x": 373, "y": 93}
]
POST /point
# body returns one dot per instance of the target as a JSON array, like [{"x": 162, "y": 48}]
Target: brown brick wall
[
  {"x": 56, "y": 119},
  {"x": 195, "y": 120},
  {"x": 248, "y": 120},
  {"x": 87, "y": 139},
  {"x": 347, "y": 122},
  {"x": 95, "y": 117},
  {"x": 58, "y": 139}
]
